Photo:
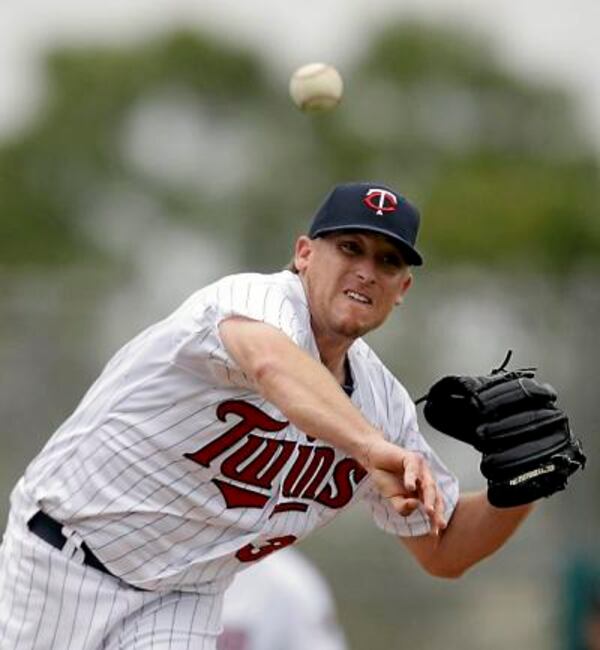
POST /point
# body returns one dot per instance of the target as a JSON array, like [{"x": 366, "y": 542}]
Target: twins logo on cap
[{"x": 380, "y": 200}]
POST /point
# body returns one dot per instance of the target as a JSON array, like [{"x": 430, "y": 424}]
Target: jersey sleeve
[
  {"x": 258, "y": 298},
  {"x": 409, "y": 437},
  {"x": 263, "y": 298}
]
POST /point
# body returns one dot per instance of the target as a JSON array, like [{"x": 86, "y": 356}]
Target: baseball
[{"x": 316, "y": 87}]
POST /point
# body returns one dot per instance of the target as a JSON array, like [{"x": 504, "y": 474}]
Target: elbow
[
  {"x": 447, "y": 573},
  {"x": 446, "y": 570},
  {"x": 264, "y": 370}
]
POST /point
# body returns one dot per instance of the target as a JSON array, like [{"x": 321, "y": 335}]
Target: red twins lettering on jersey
[{"x": 249, "y": 470}]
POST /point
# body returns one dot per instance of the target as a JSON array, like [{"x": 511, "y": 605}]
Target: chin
[{"x": 353, "y": 330}]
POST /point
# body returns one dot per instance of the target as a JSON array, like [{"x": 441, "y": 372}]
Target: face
[{"x": 353, "y": 280}]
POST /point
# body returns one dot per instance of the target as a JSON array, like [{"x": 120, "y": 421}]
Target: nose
[{"x": 365, "y": 270}]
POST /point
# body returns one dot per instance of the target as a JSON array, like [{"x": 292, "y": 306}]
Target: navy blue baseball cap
[{"x": 372, "y": 207}]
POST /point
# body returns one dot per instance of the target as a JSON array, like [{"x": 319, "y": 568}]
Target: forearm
[
  {"x": 299, "y": 386},
  {"x": 309, "y": 396},
  {"x": 475, "y": 531},
  {"x": 313, "y": 401}
]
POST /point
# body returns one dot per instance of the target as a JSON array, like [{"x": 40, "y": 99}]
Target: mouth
[{"x": 356, "y": 296}]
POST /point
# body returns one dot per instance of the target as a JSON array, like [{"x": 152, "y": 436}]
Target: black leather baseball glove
[{"x": 527, "y": 446}]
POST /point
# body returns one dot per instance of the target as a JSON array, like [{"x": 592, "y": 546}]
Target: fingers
[
  {"x": 432, "y": 499},
  {"x": 404, "y": 506},
  {"x": 405, "y": 479},
  {"x": 388, "y": 484},
  {"x": 436, "y": 517},
  {"x": 417, "y": 487},
  {"x": 412, "y": 472}
]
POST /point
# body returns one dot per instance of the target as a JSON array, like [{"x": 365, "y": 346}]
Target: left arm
[
  {"x": 528, "y": 453},
  {"x": 476, "y": 530}
]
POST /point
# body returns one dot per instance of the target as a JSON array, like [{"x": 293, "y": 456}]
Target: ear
[
  {"x": 404, "y": 287},
  {"x": 302, "y": 252}
]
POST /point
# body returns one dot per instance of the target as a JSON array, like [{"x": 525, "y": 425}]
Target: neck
[
  {"x": 333, "y": 353},
  {"x": 332, "y": 347}
]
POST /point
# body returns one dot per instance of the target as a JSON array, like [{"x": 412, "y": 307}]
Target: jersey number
[{"x": 251, "y": 553}]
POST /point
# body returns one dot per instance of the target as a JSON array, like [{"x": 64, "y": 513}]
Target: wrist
[{"x": 364, "y": 447}]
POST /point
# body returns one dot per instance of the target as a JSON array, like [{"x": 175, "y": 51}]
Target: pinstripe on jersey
[
  {"x": 152, "y": 472},
  {"x": 48, "y": 601}
]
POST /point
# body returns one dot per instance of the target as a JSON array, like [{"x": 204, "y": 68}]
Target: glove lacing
[{"x": 495, "y": 371}]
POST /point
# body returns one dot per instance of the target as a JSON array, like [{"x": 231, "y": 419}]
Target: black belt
[{"x": 50, "y": 531}]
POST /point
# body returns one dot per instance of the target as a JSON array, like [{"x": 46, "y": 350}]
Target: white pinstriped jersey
[{"x": 177, "y": 473}]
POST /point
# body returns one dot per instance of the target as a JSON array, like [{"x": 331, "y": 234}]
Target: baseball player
[
  {"x": 282, "y": 602},
  {"x": 252, "y": 415}
]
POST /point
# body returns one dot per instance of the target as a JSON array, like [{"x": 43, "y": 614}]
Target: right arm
[{"x": 309, "y": 396}]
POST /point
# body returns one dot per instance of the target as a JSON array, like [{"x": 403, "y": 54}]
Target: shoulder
[
  {"x": 283, "y": 284},
  {"x": 284, "y": 280},
  {"x": 277, "y": 299},
  {"x": 253, "y": 290}
]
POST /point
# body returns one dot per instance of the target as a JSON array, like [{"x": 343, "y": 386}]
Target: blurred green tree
[
  {"x": 52, "y": 176},
  {"x": 496, "y": 163}
]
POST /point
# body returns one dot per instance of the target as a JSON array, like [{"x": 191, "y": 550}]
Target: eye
[
  {"x": 392, "y": 260},
  {"x": 349, "y": 247}
]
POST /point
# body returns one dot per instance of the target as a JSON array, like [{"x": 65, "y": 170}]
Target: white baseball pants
[{"x": 49, "y": 600}]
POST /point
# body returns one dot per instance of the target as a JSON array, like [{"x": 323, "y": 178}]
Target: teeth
[{"x": 358, "y": 296}]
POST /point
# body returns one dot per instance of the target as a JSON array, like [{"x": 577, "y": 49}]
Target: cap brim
[{"x": 411, "y": 256}]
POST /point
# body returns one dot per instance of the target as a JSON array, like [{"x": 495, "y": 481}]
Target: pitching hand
[{"x": 404, "y": 478}]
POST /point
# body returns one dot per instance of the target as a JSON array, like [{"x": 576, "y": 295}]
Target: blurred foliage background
[{"x": 153, "y": 168}]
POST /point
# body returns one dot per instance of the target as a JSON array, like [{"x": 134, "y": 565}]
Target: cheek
[
  {"x": 399, "y": 289},
  {"x": 326, "y": 278},
  {"x": 393, "y": 298},
  {"x": 320, "y": 286},
  {"x": 386, "y": 310}
]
